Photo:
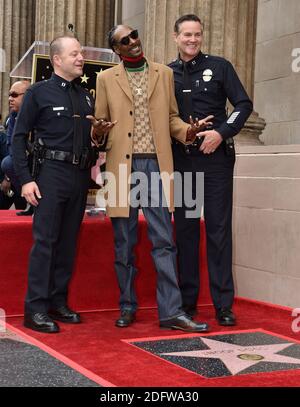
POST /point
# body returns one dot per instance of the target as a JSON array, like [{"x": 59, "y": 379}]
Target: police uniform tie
[
  {"x": 78, "y": 132},
  {"x": 187, "y": 94}
]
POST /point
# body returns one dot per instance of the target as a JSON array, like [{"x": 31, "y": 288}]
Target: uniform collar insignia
[
  {"x": 193, "y": 62},
  {"x": 62, "y": 83}
]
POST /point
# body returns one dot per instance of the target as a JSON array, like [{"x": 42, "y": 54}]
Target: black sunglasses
[
  {"x": 126, "y": 40},
  {"x": 15, "y": 94}
]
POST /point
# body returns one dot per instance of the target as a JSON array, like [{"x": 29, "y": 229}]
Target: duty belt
[
  {"x": 191, "y": 148},
  {"x": 61, "y": 156}
]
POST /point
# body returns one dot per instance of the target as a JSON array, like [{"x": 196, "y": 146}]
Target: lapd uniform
[
  {"x": 47, "y": 110},
  {"x": 203, "y": 86}
]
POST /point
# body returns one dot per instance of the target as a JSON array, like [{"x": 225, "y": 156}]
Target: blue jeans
[
  {"x": 8, "y": 168},
  {"x": 3, "y": 151},
  {"x": 163, "y": 252}
]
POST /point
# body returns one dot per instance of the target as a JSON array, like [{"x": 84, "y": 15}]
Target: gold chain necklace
[{"x": 138, "y": 90}]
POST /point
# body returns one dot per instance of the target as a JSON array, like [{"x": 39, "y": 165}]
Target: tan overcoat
[{"x": 114, "y": 102}]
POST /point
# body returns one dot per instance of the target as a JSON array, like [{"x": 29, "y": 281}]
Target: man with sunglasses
[
  {"x": 10, "y": 183},
  {"x": 136, "y": 98}
]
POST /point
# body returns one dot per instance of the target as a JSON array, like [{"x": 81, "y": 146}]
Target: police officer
[
  {"x": 203, "y": 85},
  {"x": 55, "y": 110}
]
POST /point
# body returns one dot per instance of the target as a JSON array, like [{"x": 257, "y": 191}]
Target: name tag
[{"x": 56, "y": 109}]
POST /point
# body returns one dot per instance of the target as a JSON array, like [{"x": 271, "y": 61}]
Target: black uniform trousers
[
  {"x": 56, "y": 224},
  {"x": 218, "y": 190}
]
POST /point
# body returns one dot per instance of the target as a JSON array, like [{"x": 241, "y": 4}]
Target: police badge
[{"x": 207, "y": 75}]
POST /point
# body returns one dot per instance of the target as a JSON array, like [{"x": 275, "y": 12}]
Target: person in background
[{"x": 10, "y": 186}]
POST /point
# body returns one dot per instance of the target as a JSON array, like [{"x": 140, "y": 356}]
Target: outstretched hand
[
  {"x": 101, "y": 127},
  {"x": 197, "y": 126}
]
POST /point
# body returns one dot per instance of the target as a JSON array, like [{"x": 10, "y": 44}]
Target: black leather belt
[
  {"x": 61, "y": 156},
  {"x": 144, "y": 155}
]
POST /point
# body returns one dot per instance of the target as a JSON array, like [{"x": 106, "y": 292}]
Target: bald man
[
  {"x": 10, "y": 181},
  {"x": 56, "y": 109}
]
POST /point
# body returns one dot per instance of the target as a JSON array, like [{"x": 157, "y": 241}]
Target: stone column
[
  {"x": 91, "y": 20},
  {"x": 16, "y": 35},
  {"x": 229, "y": 31}
]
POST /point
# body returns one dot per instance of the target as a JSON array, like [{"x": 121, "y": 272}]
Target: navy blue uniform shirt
[
  {"x": 47, "y": 111},
  {"x": 213, "y": 80}
]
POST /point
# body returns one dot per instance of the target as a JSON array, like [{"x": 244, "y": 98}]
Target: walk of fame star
[
  {"x": 237, "y": 358},
  {"x": 227, "y": 354}
]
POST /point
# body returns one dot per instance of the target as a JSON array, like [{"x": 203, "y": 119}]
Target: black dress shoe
[
  {"x": 126, "y": 319},
  {"x": 184, "y": 323},
  {"x": 190, "y": 310},
  {"x": 65, "y": 314},
  {"x": 41, "y": 322},
  {"x": 225, "y": 317},
  {"x": 27, "y": 212}
]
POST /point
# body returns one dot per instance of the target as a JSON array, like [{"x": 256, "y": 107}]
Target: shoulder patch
[{"x": 233, "y": 117}]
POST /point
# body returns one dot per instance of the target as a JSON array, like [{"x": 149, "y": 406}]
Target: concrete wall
[
  {"x": 266, "y": 225},
  {"x": 266, "y": 217},
  {"x": 133, "y": 14},
  {"x": 277, "y": 70}
]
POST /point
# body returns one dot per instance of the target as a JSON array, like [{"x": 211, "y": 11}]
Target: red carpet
[
  {"x": 99, "y": 347},
  {"x": 94, "y": 285}
]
